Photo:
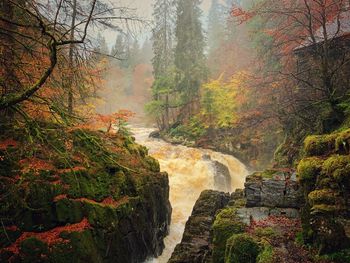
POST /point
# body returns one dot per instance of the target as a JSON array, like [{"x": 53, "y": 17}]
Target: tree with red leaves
[{"x": 304, "y": 57}]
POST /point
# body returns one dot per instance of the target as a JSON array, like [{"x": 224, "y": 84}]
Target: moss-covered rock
[
  {"x": 195, "y": 245},
  {"x": 308, "y": 170},
  {"x": 225, "y": 225},
  {"x": 266, "y": 255},
  {"x": 324, "y": 175},
  {"x": 317, "y": 145},
  {"x": 69, "y": 177},
  {"x": 241, "y": 248},
  {"x": 34, "y": 250},
  {"x": 342, "y": 142}
]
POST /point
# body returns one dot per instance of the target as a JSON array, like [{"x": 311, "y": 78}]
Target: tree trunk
[{"x": 9, "y": 83}]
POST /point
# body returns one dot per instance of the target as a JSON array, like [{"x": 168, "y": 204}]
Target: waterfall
[{"x": 190, "y": 172}]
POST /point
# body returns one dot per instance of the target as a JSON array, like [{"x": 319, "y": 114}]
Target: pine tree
[
  {"x": 189, "y": 54},
  {"x": 163, "y": 39},
  {"x": 134, "y": 54},
  {"x": 217, "y": 36},
  {"x": 119, "y": 49},
  {"x": 216, "y": 25},
  {"x": 163, "y": 36}
]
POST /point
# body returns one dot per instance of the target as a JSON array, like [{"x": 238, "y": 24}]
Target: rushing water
[{"x": 189, "y": 174}]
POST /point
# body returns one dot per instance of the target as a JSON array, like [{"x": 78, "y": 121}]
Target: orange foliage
[
  {"x": 114, "y": 119},
  {"x": 50, "y": 237},
  {"x": 35, "y": 164},
  {"x": 7, "y": 143},
  {"x": 109, "y": 201},
  {"x": 241, "y": 15},
  {"x": 60, "y": 197}
]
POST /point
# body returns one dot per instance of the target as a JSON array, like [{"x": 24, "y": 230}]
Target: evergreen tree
[
  {"x": 119, "y": 48},
  {"x": 217, "y": 35},
  {"x": 216, "y": 25},
  {"x": 146, "y": 52},
  {"x": 163, "y": 38},
  {"x": 189, "y": 54},
  {"x": 134, "y": 54}
]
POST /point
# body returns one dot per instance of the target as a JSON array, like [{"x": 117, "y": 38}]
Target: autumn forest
[{"x": 178, "y": 131}]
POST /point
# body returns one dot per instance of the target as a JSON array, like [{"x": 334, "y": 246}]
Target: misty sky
[
  {"x": 144, "y": 10},
  {"x": 145, "y": 6}
]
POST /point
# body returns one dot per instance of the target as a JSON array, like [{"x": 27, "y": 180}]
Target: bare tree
[{"x": 35, "y": 35}]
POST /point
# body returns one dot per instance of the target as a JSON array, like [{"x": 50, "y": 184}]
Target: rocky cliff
[
  {"x": 195, "y": 246},
  {"x": 244, "y": 228},
  {"x": 324, "y": 176},
  {"x": 80, "y": 196}
]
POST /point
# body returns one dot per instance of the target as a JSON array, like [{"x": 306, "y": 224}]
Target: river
[{"x": 189, "y": 174}]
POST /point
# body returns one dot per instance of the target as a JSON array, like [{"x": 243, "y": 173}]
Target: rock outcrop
[
  {"x": 195, "y": 246},
  {"x": 83, "y": 203},
  {"x": 273, "y": 189},
  {"x": 246, "y": 227},
  {"x": 324, "y": 176}
]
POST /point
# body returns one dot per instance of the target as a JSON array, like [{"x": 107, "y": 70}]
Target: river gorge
[{"x": 190, "y": 172}]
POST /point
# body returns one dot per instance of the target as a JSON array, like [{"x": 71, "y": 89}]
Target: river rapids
[{"x": 190, "y": 172}]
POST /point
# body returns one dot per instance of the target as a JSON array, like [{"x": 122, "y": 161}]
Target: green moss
[
  {"x": 152, "y": 164},
  {"x": 308, "y": 170},
  {"x": 68, "y": 211},
  {"x": 266, "y": 255},
  {"x": 265, "y": 232},
  {"x": 342, "y": 142},
  {"x": 269, "y": 174},
  {"x": 299, "y": 238},
  {"x": 101, "y": 217},
  {"x": 342, "y": 256},
  {"x": 34, "y": 250},
  {"x": 239, "y": 203},
  {"x": 98, "y": 185},
  {"x": 225, "y": 225},
  {"x": 323, "y": 196},
  {"x": 80, "y": 248},
  {"x": 337, "y": 166},
  {"x": 241, "y": 248},
  {"x": 323, "y": 209},
  {"x": 98, "y": 168},
  {"x": 343, "y": 176},
  {"x": 319, "y": 144}
]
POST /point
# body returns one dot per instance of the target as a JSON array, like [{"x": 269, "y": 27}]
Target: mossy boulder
[
  {"x": 308, "y": 170},
  {"x": 225, "y": 225},
  {"x": 324, "y": 175},
  {"x": 317, "y": 145},
  {"x": 66, "y": 178},
  {"x": 241, "y": 248}
]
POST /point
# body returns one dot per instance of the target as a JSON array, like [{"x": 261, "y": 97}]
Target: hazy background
[
  {"x": 144, "y": 8},
  {"x": 130, "y": 87}
]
